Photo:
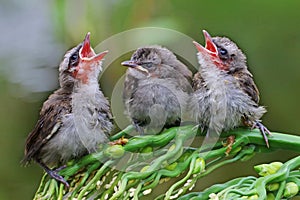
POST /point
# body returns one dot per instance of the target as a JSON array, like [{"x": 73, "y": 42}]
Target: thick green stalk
[{"x": 153, "y": 158}]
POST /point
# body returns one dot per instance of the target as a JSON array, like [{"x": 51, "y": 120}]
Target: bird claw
[
  {"x": 139, "y": 129},
  {"x": 59, "y": 168},
  {"x": 59, "y": 178},
  {"x": 54, "y": 173},
  {"x": 264, "y": 131}
]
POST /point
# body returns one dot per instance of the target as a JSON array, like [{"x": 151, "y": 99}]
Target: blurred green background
[{"x": 35, "y": 34}]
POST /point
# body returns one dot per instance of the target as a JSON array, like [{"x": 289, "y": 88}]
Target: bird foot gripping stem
[
  {"x": 54, "y": 174},
  {"x": 58, "y": 177},
  {"x": 264, "y": 131}
]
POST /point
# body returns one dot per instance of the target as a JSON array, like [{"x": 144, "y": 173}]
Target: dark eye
[
  {"x": 223, "y": 51},
  {"x": 147, "y": 65},
  {"x": 73, "y": 59}
]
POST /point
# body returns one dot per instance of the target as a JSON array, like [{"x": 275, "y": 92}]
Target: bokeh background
[{"x": 35, "y": 34}]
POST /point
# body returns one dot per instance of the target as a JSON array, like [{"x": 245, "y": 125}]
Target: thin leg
[
  {"x": 138, "y": 127},
  {"x": 264, "y": 131},
  {"x": 54, "y": 173}
]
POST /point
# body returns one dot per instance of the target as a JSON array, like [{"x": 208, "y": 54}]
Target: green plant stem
[
  {"x": 276, "y": 140},
  {"x": 280, "y": 190},
  {"x": 166, "y": 156},
  {"x": 280, "y": 175},
  {"x": 175, "y": 185},
  {"x": 213, "y": 189},
  {"x": 122, "y": 133},
  {"x": 95, "y": 178}
]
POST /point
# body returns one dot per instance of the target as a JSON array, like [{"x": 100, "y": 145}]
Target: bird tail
[{"x": 25, "y": 161}]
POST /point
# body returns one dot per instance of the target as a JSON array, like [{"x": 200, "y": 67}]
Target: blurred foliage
[{"x": 39, "y": 32}]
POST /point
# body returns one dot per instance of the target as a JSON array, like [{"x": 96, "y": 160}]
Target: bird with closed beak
[
  {"x": 76, "y": 118},
  {"x": 225, "y": 95},
  {"x": 156, "y": 89}
]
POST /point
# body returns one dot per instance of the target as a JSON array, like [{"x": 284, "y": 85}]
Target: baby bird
[
  {"x": 225, "y": 95},
  {"x": 76, "y": 118},
  {"x": 156, "y": 89}
]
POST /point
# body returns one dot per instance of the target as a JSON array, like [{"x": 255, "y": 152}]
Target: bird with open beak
[
  {"x": 76, "y": 118},
  {"x": 156, "y": 89},
  {"x": 225, "y": 95}
]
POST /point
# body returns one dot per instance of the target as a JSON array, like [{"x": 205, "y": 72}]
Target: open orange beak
[
  {"x": 210, "y": 48},
  {"x": 86, "y": 53}
]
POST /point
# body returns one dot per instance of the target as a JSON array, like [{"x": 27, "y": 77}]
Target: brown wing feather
[
  {"x": 57, "y": 105},
  {"x": 247, "y": 84},
  {"x": 198, "y": 81}
]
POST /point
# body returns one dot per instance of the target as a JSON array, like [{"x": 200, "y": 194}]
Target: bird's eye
[
  {"x": 223, "y": 51},
  {"x": 148, "y": 64},
  {"x": 74, "y": 59}
]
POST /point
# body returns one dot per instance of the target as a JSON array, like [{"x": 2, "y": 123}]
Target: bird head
[
  {"x": 144, "y": 61},
  {"x": 220, "y": 52},
  {"x": 155, "y": 61},
  {"x": 81, "y": 64}
]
